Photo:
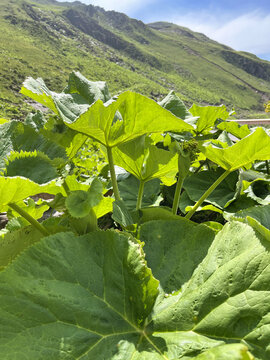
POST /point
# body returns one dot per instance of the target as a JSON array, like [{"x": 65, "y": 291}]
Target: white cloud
[{"x": 248, "y": 32}]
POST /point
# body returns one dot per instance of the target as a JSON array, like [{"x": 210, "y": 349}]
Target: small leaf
[
  {"x": 91, "y": 91},
  {"x": 79, "y": 202},
  {"x": 175, "y": 105},
  {"x": 146, "y": 162}
]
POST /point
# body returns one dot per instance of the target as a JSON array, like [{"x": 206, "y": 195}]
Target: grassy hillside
[{"x": 44, "y": 38}]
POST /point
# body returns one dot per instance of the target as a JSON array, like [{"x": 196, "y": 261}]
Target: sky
[{"x": 243, "y": 25}]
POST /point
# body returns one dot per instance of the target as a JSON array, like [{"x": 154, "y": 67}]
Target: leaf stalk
[
  {"x": 29, "y": 218},
  {"x": 177, "y": 194},
  {"x": 207, "y": 193},
  {"x": 113, "y": 175},
  {"x": 140, "y": 195}
]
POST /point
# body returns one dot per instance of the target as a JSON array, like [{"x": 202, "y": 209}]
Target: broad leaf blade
[
  {"x": 255, "y": 146},
  {"x": 174, "y": 249},
  {"x": 228, "y": 295},
  {"x": 20, "y": 188},
  {"x": 140, "y": 115},
  {"x": 208, "y": 116},
  {"x": 86, "y": 295}
]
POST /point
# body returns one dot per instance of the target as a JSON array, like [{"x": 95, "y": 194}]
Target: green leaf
[
  {"x": 121, "y": 214},
  {"x": 65, "y": 105},
  {"x": 228, "y": 295},
  {"x": 129, "y": 187},
  {"x": 35, "y": 120},
  {"x": 35, "y": 166},
  {"x": 79, "y": 202},
  {"x": 103, "y": 207},
  {"x": 259, "y": 213},
  {"x": 265, "y": 232},
  {"x": 36, "y": 210},
  {"x": 208, "y": 116},
  {"x": 147, "y": 162},
  {"x": 234, "y": 128},
  {"x": 196, "y": 185},
  {"x": 140, "y": 115},
  {"x": 255, "y": 146},
  {"x": 80, "y": 311},
  {"x": 174, "y": 250},
  {"x": 226, "y": 352},
  {"x": 175, "y": 105},
  {"x": 91, "y": 91},
  {"x": 15, "y": 136},
  {"x": 13, "y": 243},
  {"x": 259, "y": 190},
  {"x": 20, "y": 188}
]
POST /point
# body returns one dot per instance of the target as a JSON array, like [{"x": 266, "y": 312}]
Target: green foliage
[{"x": 116, "y": 271}]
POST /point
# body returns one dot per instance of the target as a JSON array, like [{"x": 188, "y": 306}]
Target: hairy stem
[
  {"x": 177, "y": 194},
  {"x": 29, "y": 218},
  {"x": 112, "y": 172},
  {"x": 207, "y": 193},
  {"x": 140, "y": 195}
]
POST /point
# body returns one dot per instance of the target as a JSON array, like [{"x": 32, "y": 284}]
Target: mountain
[{"x": 49, "y": 39}]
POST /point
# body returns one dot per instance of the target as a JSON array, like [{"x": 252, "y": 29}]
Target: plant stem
[
  {"x": 177, "y": 194},
  {"x": 65, "y": 187},
  {"x": 29, "y": 218},
  {"x": 112, "y": 172},
  {"x": 207, "y": 193},
  {"x": 140, "y": 195}
]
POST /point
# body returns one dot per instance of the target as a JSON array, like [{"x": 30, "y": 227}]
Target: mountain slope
[{"x": 44, "y": 38}]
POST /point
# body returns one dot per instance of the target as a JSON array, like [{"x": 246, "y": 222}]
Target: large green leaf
[
  {"x": 255, "y": 146},
  {"x": 140, "y": 115},
  {"x": 146, "y": 162},
  {"x": 89, "y": 298},
  {"x": 84, "y": 297},
  {"x": 196, "y": 185},
  {"x": 227, "y": 298},
  {"x": 208, "y": 116},
  {"x": 174, "y": 250}
]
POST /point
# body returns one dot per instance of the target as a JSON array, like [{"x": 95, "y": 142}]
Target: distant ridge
[{"x": 49, "y": 39}]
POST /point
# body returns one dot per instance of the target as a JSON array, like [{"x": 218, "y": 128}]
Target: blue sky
[{"x": 242, "y": 24}]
